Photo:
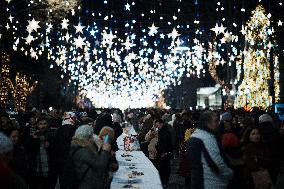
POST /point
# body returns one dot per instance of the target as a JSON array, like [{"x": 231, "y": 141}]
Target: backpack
[{"x": 70, "y": 174}]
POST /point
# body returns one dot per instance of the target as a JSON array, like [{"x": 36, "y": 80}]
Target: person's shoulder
[{"x": 195, "y": 141}]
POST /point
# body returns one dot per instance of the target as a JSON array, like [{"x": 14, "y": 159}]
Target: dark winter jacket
[
  {"x": 19, "y": 162},
  {"x": 164, "y": 144},
  {"x": 117, "y": 132},
  {"x": 91, "y": 166},
  {"x": 63, "y": 139},
  {"x": 33, "y": 149}
]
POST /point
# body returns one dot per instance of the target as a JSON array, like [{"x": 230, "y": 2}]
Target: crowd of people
[
  {"x": 51, "y": 149},
  {"x": 216, "y": 149},
  {"x": 76, "y": 149}
]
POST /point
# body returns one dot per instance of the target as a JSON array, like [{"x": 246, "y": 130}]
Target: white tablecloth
[{"x": 150, "y": 179}]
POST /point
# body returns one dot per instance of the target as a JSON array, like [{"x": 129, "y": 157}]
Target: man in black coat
[
  {"x": 164, "y": 152},
  {"x": 63, "y": 137}
]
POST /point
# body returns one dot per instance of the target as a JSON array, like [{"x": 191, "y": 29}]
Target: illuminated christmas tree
[
  {"x": 254, "y": 89},
  {"x": 5, "y": 82},
  {"x": 22, "y": 89}
]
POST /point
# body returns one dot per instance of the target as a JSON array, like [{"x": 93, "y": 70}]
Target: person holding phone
[{"x": 107, "y": 135}]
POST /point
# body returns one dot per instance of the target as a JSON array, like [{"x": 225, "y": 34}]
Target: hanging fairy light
[
  {"x": 22, "y": 89},
  {"x": 5, "y": 82}
]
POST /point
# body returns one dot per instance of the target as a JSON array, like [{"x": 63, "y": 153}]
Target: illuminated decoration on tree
[
  {"x": 254, "y": 89},
  {"x": 5, "y": 83},
  {"x": 22, "y": 89},
  {"x": 59, "y": 8}
]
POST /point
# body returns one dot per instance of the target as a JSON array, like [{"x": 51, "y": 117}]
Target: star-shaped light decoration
[
  {"x": 243, "y": 31},
  {"x": 33, "y": 54},
  {"x": 222, "y": 62},
  {"x": 11, "y": 18},
  {"x": 279, "y": 23},
  {"x": 49, "y": 27},
  {"x": 153, "y": 30},
  {"x": 232, "y": 58},
  {"x": 92, "y": 32},
  {"x": 162, "y": 36},
  {"x": 29, "y": 39},
  {"x": 64, "y": 24},
  {"x": 174, "y": 34},
  {"x": 7, "y": 26},
  {"x": 222, "y": 29},
  {"x": 67, "y": 36},
  {"x": 215, "y": 29},
  {"x": 128, "y": 44},
  {"x": 223, "y": 40},
  {"x": 270, "y": 31},
  {"x": 79, "y": 42},
  {"x": 127, "y": 7},
  {"x": 218, "y": 29},
  {"x": 195, "y": 41},
  {"x": 33, "y": 25},
  {"x": 79, "y": 28},
  {"x": 133, "y": 36},
  {"x": 97, "y": 43}
]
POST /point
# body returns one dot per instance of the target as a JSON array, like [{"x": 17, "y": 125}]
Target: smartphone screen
[{"x": 106, "y": 139}]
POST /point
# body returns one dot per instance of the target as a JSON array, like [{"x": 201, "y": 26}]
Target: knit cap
[
  {"x": 265, "y": 118},
  {"x": 84, "y": 132}
]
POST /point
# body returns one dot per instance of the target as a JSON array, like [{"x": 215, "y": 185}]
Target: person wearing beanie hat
[
  {"x": 84, "y": 132},
  {"x": 91, "y": 166},
  {"x": 270, "y": 137}
]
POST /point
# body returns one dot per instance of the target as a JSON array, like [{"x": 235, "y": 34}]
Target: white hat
[
  {"x": 5, "y": 144},
  {"x": 84, "y": 132},
  {"x": 265, "y": 118}
]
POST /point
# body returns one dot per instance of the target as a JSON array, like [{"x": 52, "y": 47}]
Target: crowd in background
[{"x": 76, "y": 149}]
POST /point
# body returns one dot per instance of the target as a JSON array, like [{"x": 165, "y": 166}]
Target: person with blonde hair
[{"x": 109, "y": 133}]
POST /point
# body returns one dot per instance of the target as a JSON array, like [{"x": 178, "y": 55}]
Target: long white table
[{"x": 138, "y": 162}]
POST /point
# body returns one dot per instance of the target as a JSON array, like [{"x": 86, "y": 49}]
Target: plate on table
[
  {"x": 129, "y": 181},
  {"x": 136, "y": 173},
  {"x": 126, "y": 155},
  {"x": 131, "y": 168},
  {"x": 131, "y": 186},
  {"x": 131, "y": 165}
]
